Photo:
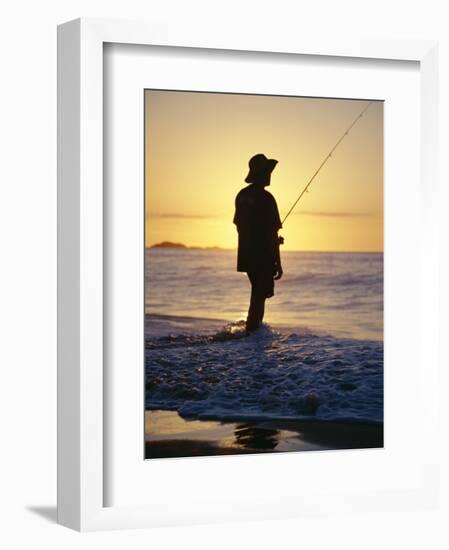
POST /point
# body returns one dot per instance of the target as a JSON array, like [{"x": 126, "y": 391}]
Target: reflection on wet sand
[
  {"x": 167, "y": 435},
  {"x": 256, "y": 438}
]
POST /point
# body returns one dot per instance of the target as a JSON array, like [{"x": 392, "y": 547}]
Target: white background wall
[{"x": 28, "y": 268}]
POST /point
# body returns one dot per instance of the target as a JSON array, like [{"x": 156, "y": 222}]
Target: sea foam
[{"x": 271, "y": 374}]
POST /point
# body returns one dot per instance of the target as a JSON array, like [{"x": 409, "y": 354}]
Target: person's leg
[
  {"x": 256, "y": 307},
  {"x": 260, "y": 308},
  {"x": 255, "y": 312}
]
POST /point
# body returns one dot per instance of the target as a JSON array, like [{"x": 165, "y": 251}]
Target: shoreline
[
  {"x": 160, "y": 325},
  {"x": 167, "y": 435}
]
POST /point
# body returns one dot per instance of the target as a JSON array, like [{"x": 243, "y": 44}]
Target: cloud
[
  {"x": 177, "y": 215},
  {"x": 324, "y": 214},
  {"x": 319, "y": 214}
]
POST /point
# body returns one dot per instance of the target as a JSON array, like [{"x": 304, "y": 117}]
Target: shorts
[{"x": 262, "y": 283}]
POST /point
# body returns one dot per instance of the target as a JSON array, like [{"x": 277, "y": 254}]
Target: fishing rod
[{"x": 325, "y": 160}]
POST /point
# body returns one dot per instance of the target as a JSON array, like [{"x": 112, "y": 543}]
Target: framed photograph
[
  {"x": 229, "y": 370},
  {"x": 247, "y": 276}
]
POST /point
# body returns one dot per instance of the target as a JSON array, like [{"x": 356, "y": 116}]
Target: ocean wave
[
  {"x": 340, "y": 293},
  {"x": 271, "y": 374},
  {"x": 367, "y": 280}
]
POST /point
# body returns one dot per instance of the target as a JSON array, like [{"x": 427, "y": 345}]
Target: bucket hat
[{"x": 259, "y": 165}]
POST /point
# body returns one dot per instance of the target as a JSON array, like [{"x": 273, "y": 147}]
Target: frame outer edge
[
  {"x": 161, "y": 33},
  {"x": 430, "y": 273},
  {"x": 80, "y": 236},
  {"x": 90, "y": 399},
  {"x": 68, "y": 265}
]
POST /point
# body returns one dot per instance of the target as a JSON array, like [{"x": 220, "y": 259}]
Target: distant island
[{"x": 169, "y": 244}]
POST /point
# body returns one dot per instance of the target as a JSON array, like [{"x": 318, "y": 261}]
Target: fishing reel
[{"x": 280, "y": 239}]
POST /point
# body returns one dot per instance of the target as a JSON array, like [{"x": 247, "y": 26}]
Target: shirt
[{"x": 258, "y": 221}]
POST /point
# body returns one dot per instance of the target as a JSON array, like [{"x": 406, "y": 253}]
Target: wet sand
[{"x": 167, "y": 435}]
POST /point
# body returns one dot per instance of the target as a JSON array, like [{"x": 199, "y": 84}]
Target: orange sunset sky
[{"x": 197, "y": 147}]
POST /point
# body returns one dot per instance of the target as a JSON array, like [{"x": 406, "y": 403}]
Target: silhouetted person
[{"x": 257, "y": 220}]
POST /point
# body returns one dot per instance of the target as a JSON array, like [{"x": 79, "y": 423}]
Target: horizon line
[{"x": 212, "y": 248}]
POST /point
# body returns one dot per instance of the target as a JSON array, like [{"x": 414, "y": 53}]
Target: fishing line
[{"x": 326, "y": 159}]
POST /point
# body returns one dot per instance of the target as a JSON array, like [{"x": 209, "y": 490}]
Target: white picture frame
[{"x": 81, "y": 389}]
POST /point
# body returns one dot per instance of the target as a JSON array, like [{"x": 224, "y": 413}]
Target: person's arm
[
  {"x": 241, "y": 213},
  {"x": 277, "y": 240},
  {"x": 277, "y": 259}
]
